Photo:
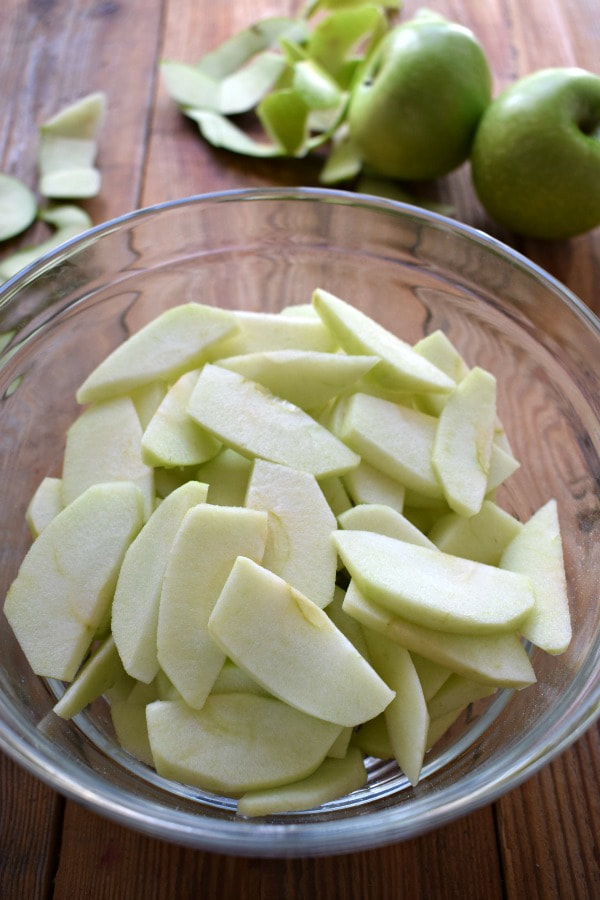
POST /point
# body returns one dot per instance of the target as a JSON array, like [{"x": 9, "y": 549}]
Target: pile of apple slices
[{"x": 274, "y": 548}]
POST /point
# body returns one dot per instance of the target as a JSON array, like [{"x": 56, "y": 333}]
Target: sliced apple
[
  {"x": 463, "y": 441},
  {"x": 135, "y": 606},
  {"x": 498, "y": 659},
  {"x": 261, "y": 332},
  {"x": 45, "y": 505},
  {"x": 65, "y": 584},
  {"x": 103, "y": 444},
  {"x": 236, "y": 742},
  {"x": 172, "y": 437},
  {"x": 334, "y": 778},
  {"x": 169, "y": 345},
  {"x": 227, "y": 476},
  {"x": 456, "y": 693},
  {"x": 537, "y": 552},
  {"x": 204, "y": 550},
  {"x": 101, "y": 671},
  {"x": 481, "y": 537},
  {"x": 368, "y": 485},
  {"x": 435, "y": 589},
  {"x": 383, "y": 520},
  {"x": 253, "y": 421},
  {"x": 431, "y": 674},
  {"x": 291, "y": 646},
  {"x": 399, "y": 367},
  {"x": 300, "y": 526}
]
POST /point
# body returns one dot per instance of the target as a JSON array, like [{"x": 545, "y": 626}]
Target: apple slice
[
  {"x": 537, "y": 552},
  {"x": 103, "y": 444},
  {"x": 334, "y": 778},
  {"x": 502, "y": 466},
  {"x": 291, "y": 646},
  {"x": 128, "y": 716},
  {"x": 172, "y": 437},
  {"x": 227, "y": 475},
  {"x": 236, "y": 742},
  {"x": 101, "y": 671},
  {"x": 383, "y": 520},
  {"x": 395, "y": 439},
  {"x": 147, "y": 399},
  {"x": 399, "y": 367},
  {"x": 45, "y": 505},
  {"x": 300, "y": 526},
  {"x": 233, "y": 680},
  {"x": 481, "y": 537},
  {"x": 498, "y": 659},
  {"x": 407, "y": 717},
  {"x": 306, "y": 378},
  {"x": 162, "y": 350},
  {"x": 463, "y": 441},
  {"x": 137, "y": 595},
  {"x": 66, "y": 582},
  {"x": 368, "y": 485},
  {"x": 431, "y": 674},
  {"x": 440, "y": 351},
  {"x": 335, "y": 493},
  {"x": 252, "y": 420},
  {"x": 456, "y": 693},
  {"x": 204, "y": 550},
  {"x": 259, "y": 332},
  {"x": 434, "y": 589}
]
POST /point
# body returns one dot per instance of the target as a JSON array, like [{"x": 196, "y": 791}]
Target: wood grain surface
[{"x": 541, "y": 839}]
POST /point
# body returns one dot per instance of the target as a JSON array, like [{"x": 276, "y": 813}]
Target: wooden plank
[{"x": 104, "y": 860}]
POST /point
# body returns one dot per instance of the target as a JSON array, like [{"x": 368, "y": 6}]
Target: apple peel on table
[{"x": 286, "y": 587}]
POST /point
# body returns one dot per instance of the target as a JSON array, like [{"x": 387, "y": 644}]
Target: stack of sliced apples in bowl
[{"x": 275, "y": 549}]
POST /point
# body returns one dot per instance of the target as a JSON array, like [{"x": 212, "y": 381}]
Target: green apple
[
  {"x": 384, "y": 520},
  {"x": 300, "y": 526},
  {"x": 456, "y": 693},
  {"x": 236, "y": 742},
  {"x": 227, "y": 475},
  {"x": 291, "y": 646},
  {"x": 134, "y": 618},
  {"x": 128, "y": 714},
  {"x": 65, "y": 584},
  {"x": 498, "y": 659},
  {"x": 481, "y": 537},
  {"x": 247, "y": 417},
  {"x": 368, "y": 485},
  {"x": 169, "y": 345},
  {"x": 432, "y": 675},
  {"x": 259, "y": 332},
  {"x": 536, "y": 156},
  {"x": 100, "y": 672},
  {"x": 205, "y": 548},
  {"x": 537, "y": 552},
  {"x": 432, "y": 588},
  {"x": 415, "y": 112},
  {"x": 45, "y": 505},
  {"x": 334, "y": 778}
]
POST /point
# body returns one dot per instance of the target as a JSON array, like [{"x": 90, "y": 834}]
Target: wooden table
[{"x": 540, "y": 840}]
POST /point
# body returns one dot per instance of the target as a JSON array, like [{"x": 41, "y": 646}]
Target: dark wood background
[{"x": 540, "y": 840}]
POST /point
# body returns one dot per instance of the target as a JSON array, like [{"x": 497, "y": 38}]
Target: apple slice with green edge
[
  {"x": 227, "y": 475},
  {"x": 101, "y": 671},
  {"x": 399, "y": 366},
  {"x": 147, "y": 399},
  {"x": 168, "y": 480},
  {"x": 440, "y": 725},
  {"x": 349, "y": 627},
  {"x": 304, "y": 377},
  {"x": 463, "y": 441},
  {"x": 537, "y": 552},
  {"x": 128, "y": 716},
  {"x": 368, "y": 485},
  {"x": 172, "y": 437},
  {"x": 383, "y": 520},
  {"x": 134, "y": 620},
  {"x": 456, "y": 693},
  {"x": 18, "y": 207},
  {"x": 431, "y": 674},
  {"x": 266, "y": 332},
  {"x": 406, "y": 716},
  {"x": 434, "y": 589},
  {"x": 67, "y": 150},
  {"x": 498, "y": 659},
  {"x": 334, "y": 778},
  {"x": 68, "y": 220},
  {"x": 233, "y": 680},
  {"x": 236, "y": 742},
  {"x": 66, "y": 582},
  {"x": 247, "y": 417},
  {"x": 162, "y": 350},
  {"x": 439, "y": 350},
  {"x": 205, "y": 548},
  {"x": 395, "y": 439},
  {"x": 104, "y": 444},
  {"x": 372, "y": 738},
  {"x": 300, "y": 526},
  {"x": 291, "y": 647},
  {"x": 481, "y": 537},
  {"x": 45, "y": 505}
]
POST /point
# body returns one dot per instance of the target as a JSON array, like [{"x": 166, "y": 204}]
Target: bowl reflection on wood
[{"x": 413, "y": 272}]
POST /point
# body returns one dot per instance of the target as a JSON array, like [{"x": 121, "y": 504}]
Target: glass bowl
[{"x": 413, "y": 271}]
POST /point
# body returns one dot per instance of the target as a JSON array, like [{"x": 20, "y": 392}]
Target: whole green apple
[
  {"x": 415, "y": 112},
  {"x": 536, "y": 154}
]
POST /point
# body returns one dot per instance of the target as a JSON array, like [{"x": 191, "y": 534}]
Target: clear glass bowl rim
[{"x": 21, "y": 741}]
